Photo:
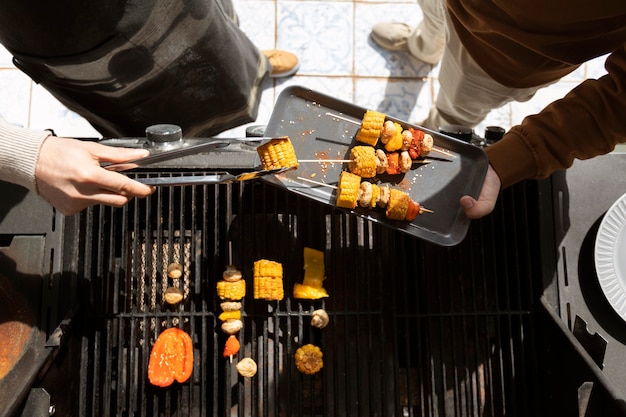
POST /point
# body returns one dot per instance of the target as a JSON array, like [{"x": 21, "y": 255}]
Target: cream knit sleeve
[{"x": 19, "y": 151}]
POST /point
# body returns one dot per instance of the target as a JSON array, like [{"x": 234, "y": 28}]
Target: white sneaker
[{"x": 400, "y": 37}]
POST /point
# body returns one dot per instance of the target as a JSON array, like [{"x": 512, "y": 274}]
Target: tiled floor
[{"x": 337, "y": 58}]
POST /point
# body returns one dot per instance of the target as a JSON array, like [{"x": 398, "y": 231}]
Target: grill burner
[{"x": 416, "y": 329}]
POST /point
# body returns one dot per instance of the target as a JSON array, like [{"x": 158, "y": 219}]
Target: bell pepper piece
[{"x": 171, "y": 358}]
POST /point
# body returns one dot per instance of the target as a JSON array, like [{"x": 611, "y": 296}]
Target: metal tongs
[{"x": 212, "y": 178}]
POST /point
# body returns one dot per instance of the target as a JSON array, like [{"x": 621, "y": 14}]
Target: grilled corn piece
[
  {"x": 235, "y": 290},
  {"x": 277, "y": 153},
  {"x": 268, "y": 280},
  {"x": 398, "y": 204},
  {"x": 363, "y": 161},
  {"x": 309, "y": 359},
  {"x": 348, "y": 190},
  {"x": 371, "y": 126}
]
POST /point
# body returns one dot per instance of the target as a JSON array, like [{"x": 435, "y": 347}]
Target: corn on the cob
[
  {"x": 348, "y": 190},
  {"x": 371, "y": 126},
  {"x": 398, "y": 204},
  {"x": 277, "y": 153},
  {"x": 235, "y": 290},
  {"x": 309, "y": 359},
  {"x": 268, "y": 280},
  {"x": 363, "y": 161}
]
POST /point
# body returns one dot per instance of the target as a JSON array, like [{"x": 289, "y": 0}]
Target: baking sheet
[{"x": 316, "y": 125}]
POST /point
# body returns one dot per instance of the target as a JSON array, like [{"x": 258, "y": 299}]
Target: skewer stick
[
  {"x": 323, "y": 184},
  {"x": 443, "y": 152},
  {"x": 415, "y": 161},
  {"x": 337, "y": 116},
  {"x": 324, "y": 160}
]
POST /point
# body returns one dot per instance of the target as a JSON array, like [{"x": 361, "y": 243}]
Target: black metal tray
[{"x": 317, "y": 126}]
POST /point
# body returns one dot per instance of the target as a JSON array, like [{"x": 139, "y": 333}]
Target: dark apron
[{"x": 192, "y": 67}]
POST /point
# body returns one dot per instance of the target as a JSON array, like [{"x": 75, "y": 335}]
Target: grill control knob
[
  {"x": 493, "y": 133},
  {"x": 164, "y": 135}
]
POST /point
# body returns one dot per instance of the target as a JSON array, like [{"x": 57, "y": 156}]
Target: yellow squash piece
[
  {"x": 227, "y": 315},
  {"x": 307, "y": 292}
]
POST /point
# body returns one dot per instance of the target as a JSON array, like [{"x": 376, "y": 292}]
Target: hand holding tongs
[{"x": 213, "y": 178}]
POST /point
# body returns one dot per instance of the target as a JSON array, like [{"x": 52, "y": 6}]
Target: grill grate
[{"x": 416, "y": 329}]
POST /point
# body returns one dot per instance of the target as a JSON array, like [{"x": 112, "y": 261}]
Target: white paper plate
[{"x": 610, "y": 256}]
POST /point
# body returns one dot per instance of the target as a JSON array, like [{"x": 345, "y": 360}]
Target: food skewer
[
  {"x": 374, "y": 200},
  {"x": 370, "y": 131},
  {"x": 342, "y": 161}
]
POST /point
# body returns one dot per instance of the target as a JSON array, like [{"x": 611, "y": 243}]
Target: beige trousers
[{"x": 466, "y": 94}]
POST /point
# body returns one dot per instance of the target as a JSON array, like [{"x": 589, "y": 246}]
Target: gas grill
[{"x": 416, "y": 329}]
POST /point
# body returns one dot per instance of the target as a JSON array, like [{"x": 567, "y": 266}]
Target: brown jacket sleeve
[{"x": 589, "y": 121}]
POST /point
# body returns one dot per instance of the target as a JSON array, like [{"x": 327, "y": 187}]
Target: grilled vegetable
[
  {"x": 413, "y": 211},
  {"x": 230, "y": 305},
  {"x": 171, "y": 358},
  {"x": 319, "y": 318},
  {"x": 348, "y": 190},
  {"x": 277, "y": 153},
  {"x": 231, "y": 274},
  {"x": 175, "y": 270},
  {"x": 371, "y": 126},
  {"x": 393, "y": 163},
  {"x": 173, "y": 295},
  {"x": 375, "y": 196},
  {"x": 307, "y": 292},
  {"x": 227, "y": 315},
  {"x": 393, "y": 139},
  {"x": 231, "y": 347},
  {"x": 309, "y": 359},
  {"x": 246, "y": 367},
  {"x": 314, "y": 276},
  {"x": 231, "y": 290},
  {"x": 232, "y": 326},
  {"x": 363, "y": 161},
  {"x": 314, "y": 272},
  {"x": 268, "y": 280},
  {"x": 398, "y": 204},
  {"x": 415, "y": 148},
  {"x": 381, "y": 161}
]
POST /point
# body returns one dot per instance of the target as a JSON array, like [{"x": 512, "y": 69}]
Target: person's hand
[
  {"x": 69, "y": 175},
  {"x": 475, "y": 209}
]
